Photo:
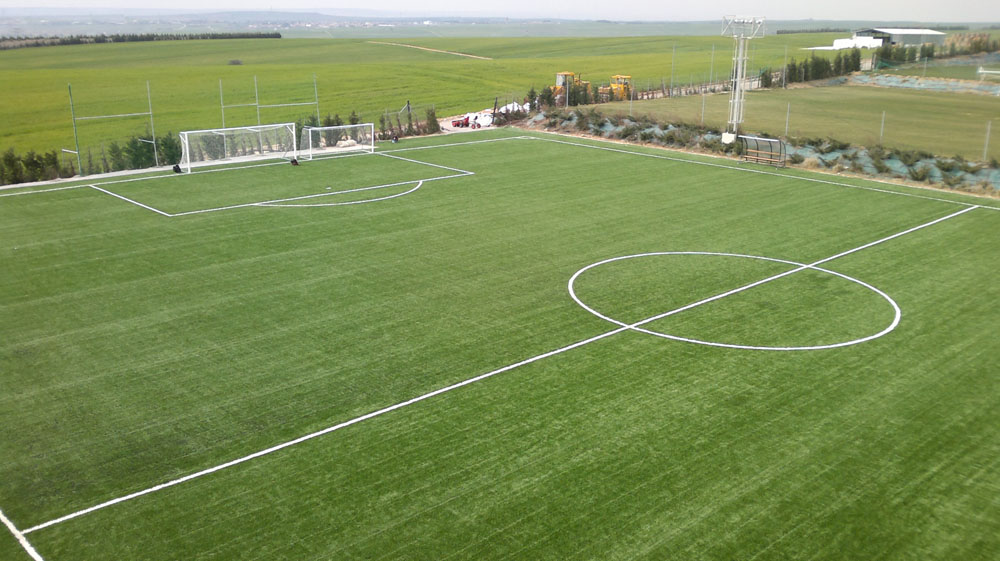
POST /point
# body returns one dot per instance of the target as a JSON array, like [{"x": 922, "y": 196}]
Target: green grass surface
[
  {"x": 351, "y": 75},
  {"x": 137, "y": 348},
  {"x": 940, "y": 123}
]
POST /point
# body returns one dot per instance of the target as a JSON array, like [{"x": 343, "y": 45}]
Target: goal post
[
  {"x": 321, "y": 141},
  {"x": 237, "y": 144}
]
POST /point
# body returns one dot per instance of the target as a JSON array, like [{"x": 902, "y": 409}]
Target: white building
[{"x": 904, "y": 36}]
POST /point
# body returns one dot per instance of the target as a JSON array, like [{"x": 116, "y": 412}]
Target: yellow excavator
[{"x": 620, "y": 88}]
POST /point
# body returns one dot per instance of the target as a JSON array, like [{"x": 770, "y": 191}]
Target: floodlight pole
[
  {"x": 76, "y": 137},
  {"x": 742, "y": 29},
  {"x": 788, "y": 116},
  {"x": 881, "y": 129}
]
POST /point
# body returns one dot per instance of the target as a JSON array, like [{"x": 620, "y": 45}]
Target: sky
[{"x": 648, "y": 10}]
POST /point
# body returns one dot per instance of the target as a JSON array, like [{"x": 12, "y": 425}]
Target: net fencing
[
  {"x": 319, "y": 141},
  {"x": 237, "y": 144}
]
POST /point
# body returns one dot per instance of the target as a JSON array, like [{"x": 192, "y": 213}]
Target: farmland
[{"x": 351, "y": 75}]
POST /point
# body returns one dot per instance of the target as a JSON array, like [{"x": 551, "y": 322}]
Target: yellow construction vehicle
[
  {"x": 620, "y": 88},
  {"x": 565, "y": 79}
]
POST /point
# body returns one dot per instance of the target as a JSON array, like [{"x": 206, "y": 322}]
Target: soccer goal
[
  {"x": 235, "y": 144},
  {"x": 319, "y": 141}
]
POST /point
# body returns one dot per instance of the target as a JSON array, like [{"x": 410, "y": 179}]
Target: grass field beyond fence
[
  {"x": 453, "y": 400},
  {"x": 944, "y": 124}
]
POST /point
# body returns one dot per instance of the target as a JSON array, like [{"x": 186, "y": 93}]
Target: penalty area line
[
  {"x": 25, "y": 544},
  {"x": 472, "y": 380},
  {"x": 136, "y": 203}
]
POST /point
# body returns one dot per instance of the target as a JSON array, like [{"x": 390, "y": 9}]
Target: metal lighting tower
[{"x": 742, "y": 29}]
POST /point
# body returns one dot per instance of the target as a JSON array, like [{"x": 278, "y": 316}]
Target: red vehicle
[{"x": 461, "y": 123}]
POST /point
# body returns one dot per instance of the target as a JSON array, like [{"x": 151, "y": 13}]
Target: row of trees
[
  {"x": 20, "y": 42},
  {"x": 137, "y": 151},
  {"x": 900, "y": 53},
  {"x": 578, "y": 94},
  {"x": 817, "y": 68},
  {"x": 15, "y": 168},
  {"x": 958, "y": 44}
]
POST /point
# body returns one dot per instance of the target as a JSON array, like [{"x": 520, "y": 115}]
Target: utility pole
[
  {"x": 986, "y": 144},
  {"x": 784, "y": 70}
]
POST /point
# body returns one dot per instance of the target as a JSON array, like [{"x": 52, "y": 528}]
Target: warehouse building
[{"x": 903, "y": 36}]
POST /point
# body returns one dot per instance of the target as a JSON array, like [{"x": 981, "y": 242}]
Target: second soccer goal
[{"x": 320, "y": 141}]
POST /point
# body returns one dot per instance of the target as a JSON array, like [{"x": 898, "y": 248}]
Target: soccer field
[{"x": 498, "y": 346}]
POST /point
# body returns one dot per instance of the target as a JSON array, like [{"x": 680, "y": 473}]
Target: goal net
[
  {"x": 235, "y": 144},
  {"x": 319, "y": 141}
]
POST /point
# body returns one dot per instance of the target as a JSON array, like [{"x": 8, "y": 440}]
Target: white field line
[
  {"x": 430, "y": 50},
  {"x": 464, "y": 143},
  {"x": 315, "y": 195},
  {"x": 764, "y": 172},
  {"x": 456, "y": 170},
  {"x": 457, "y": 385},
  {"x": 233, "y": 168},
  {"x": 20, "y": 538},
  {"x": 42, "y": 190},
  {"x": 801, "y": 266},
  {"x": 136, "y": 203},
  {"x": 282, "y": 205},
  {"x": 275, "y": 202}
]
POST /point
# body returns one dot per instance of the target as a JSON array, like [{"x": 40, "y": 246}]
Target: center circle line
[{"x": 636, "y": 326}]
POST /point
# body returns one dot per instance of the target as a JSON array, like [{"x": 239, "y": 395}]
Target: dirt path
[{"x": 430, "y": 50}]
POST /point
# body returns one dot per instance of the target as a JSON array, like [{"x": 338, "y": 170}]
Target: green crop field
[
  {"x": 351, "y": 75},
  {"x": 941, "y": 123},
  {"x": 521, "y": 347}
]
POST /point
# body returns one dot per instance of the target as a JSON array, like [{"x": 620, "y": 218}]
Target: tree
[
  {"x": 547, "y": 98},
  {"x": 354, "y": 118},
  {"x": 766, "y": 78},
  {"x": 855, "y": 60},
  {"x": 13, "y": 171},
  {"x": 33, "y": 166},
  {"x": 50, "y": 165},
  {"x": 792, "y": 71},
  {"x": 381, "y": 126},
  {"x": 170, "y": 149},
  {"x": 838, "y": 64},
  {"x": 432, "y": 122},
  {"x": 409, "y": 124},
  {"x": 532, "y": 99},
  {"x": 117, "y": 157}
]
